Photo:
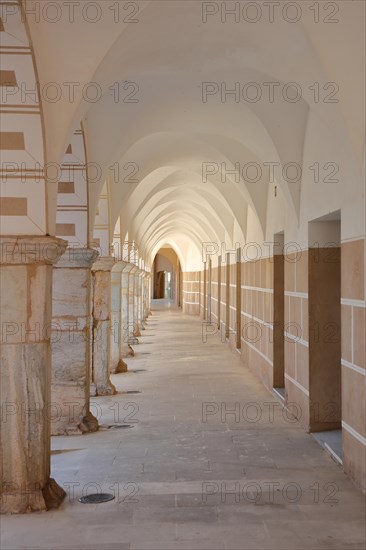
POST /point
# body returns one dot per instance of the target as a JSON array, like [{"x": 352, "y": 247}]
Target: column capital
[
  {"x": 78, "y": 257},
  {"x": 119, "y": 266},
  {"x": 31, "y": 249},
  {"x": 128, "y": 267},
  {"x": 104, "y": 263}
]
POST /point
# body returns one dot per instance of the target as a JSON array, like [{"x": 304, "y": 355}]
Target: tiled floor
[{"x": 189, "y": 473}]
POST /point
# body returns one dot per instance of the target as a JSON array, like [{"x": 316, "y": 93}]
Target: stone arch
[{"x": 25, "y": 174}]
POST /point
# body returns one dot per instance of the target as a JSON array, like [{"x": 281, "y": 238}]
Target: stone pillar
[
  {"x": 148, "y": 294},
  {"x": 132, "y": 326},
  {"x": 117, "y": 364},
  {"x": 101, "y": 271},
  {"x": 71, "y": 333},
  {"x": 143, "y": 298},
  {"x": 139, "y": 277},
  {"x": 26, "y": 281},
  {"x": 126, "y": 349},
  {"x": 136, "y": 279}
]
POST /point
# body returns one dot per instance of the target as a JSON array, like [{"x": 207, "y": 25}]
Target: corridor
[{"x": 208, "y": 460}]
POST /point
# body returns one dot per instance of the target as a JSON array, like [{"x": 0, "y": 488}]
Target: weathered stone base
[
  {"x": 87, "y": 424},
  {"x": 22, "y": 501},
  {"x": 105, "y": 389},
  {"x": 120, "y": 367},
  {"x": 129, "y": 352}
]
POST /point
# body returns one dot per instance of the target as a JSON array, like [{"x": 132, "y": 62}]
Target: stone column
[
  {"x": 137, "y": 331},
  {"x": 71, "y": 333},
  {"x": 101, "y": 272},
  {"x": 117, "y": 364},
  {"x": 139, "y": 278},
  {"x": 147, "y": 280},
  {"x": 143, "y": 299},
  {"x": 146, "y": 295},
  {"x": 126, "y": 349},
  {"x": 26, "y": 298},
  {"x": 149, "y": 295},
  {"x": 132, "y": 324}
]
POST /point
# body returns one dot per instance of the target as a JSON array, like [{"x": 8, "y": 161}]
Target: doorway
[
  {"x": 325, "y": 374},
  {"x": 278, "y": 305}
]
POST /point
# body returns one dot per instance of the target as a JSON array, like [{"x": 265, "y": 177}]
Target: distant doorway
[
  {"x": 167, "y": 276},
  {"x": 159, "y": 290}
]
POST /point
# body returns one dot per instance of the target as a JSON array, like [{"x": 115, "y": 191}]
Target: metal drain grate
[
  {"x": 133, "y": 391},
  {"x": 96, "y": 498}
]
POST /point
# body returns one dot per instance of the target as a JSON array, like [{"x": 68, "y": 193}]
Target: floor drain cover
[
  {"x": 145, "y": 353},
  {"x": 96, "y": 498},
  {"x": 133, "y": 391}
]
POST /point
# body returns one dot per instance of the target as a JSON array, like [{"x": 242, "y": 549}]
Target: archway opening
[{"x": 167, "y": 276}]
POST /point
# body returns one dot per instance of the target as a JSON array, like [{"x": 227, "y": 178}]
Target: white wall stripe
[
  {"x": 297, "y": 339},
  {"x": 297, "y": 384},
  {"x": 297, "y": 294},
  {"x": 353, "y": 432},
  {"x": 269, "y": 325},
  {"x": 349, "y": 365},
  {"x": 354, "y": 303},
  {"x": 257, "y": 288},
  {"x": 258, "y": 351}
]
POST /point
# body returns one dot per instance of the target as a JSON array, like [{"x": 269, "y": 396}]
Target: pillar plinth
[
  {"x": 101, "y": 276},
  {"x": 26, "y": 274},
  {"x": 72, "y": 330}
]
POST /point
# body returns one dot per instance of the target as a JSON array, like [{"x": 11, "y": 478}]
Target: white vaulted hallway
[
  {"x": 182, "y": 275},
  {"x": 209, "y": 459}
]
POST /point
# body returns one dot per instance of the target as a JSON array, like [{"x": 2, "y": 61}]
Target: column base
[
  {"x": 23, "y": 501},
  {"x": 128, "y": 352},
  {"x": 120, "y": 367},
  {"x": 105, "y": 389},
  {"x": 89, "y": 424}
]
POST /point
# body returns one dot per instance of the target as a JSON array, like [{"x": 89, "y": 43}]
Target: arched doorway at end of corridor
[{"x": 167, "y": 276}]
